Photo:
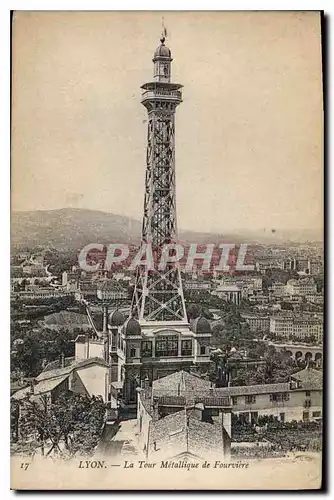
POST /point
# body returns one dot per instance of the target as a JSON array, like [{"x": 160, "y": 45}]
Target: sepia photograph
[{"x": 167, "y": 250}]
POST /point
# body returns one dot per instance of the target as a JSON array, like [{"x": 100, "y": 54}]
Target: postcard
[{"x": 167, "y": 265}]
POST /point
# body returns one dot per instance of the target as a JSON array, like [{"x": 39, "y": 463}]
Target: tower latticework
[{"x": 158, "y": 294}]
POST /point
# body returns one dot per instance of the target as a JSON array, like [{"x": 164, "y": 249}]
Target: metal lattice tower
[{"x": 158, "y": 295}]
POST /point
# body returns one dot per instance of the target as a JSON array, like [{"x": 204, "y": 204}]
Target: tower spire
[{"x": 164, "y": 31}]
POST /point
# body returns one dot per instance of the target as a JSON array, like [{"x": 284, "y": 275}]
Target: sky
[{"x": 248, "y": 133}]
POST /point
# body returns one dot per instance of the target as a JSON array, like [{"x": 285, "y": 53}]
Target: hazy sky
[{"x": 248, "y": 134}]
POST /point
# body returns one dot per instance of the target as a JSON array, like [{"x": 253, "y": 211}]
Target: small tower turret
[{"x": 162, "y": 62}]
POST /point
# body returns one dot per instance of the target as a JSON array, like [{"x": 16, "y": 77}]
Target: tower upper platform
[{"x": 161, "y": 88}]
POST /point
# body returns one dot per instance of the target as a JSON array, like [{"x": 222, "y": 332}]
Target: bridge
[{"x": 304, "y": 351}]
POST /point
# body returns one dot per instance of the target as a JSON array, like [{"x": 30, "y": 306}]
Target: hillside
[{"x": 73, "y": 228}]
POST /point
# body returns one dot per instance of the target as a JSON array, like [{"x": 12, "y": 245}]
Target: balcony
[
  {"x": 169, "y": 359},
  {"x": 203, "y": 358},
  {"x": 133, "y": 361},
  {"x": 114, "y": 350},
  {"x": 172, "y": 401},
  {"x": 213, "y": 402},
  {"x": 172, "y": 95}
]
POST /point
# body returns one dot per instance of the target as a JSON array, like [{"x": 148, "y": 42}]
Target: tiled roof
[
  {"x": 181, "y": 432},
  {"x": 57, "y": 364},
  {"x": 224, "y": 392},
  {"x": 309, "y": 378},
  {"x": 168, "y": 425},
  {"x": 68, "y": 369},
  {"x": 252, "y": 389},
  {"x": 204, "y": 437},
  {"x": 110, "y": 286},
  {"x": 178, "y": 382},
  {"x": 40, "y": 388},
  {"x": 182, "y": 388},
  {"x": 22, "y": 393},
  {"x": 80, "y": 339},
  {"x": 55, "y": 372}
]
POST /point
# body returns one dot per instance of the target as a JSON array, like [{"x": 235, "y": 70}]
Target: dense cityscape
[{"x": 265, "y": 326}]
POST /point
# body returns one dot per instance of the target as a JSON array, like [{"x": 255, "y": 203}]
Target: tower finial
[{"x": 164, "y": 31}]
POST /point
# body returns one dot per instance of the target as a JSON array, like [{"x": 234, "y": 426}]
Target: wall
[
  {"x": 62, "y": 387},
  {"x": 94, "y": 378},
  {"x": 79, "y": 351},
  {"x": 76, "y": 384},
  {"x": 293, "y": 408},
  {"x": 96, "y": 349},
  {"x": 143, "y": 423},
  {"x": 202, "y": 341}
]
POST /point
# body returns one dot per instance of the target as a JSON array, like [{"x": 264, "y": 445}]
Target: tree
[
  {"x": 70, "y": 425},
  {"x": 14, "y": 419},
  {"x": 39, "y": 344},
  {"x": 276, "y": 366},
  {"x": 193, "y": 311},
  {"x": 27, "y": 357}
]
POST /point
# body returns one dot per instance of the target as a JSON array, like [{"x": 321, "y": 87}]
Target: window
[
  {"x": 254, "y": 417},
  {"x": 113, "y": 340},
  {"x": 132, "y": 352},
  {"x": 234, "y": 400},
  {"x": 146, "y": 348},
  {"x": 316, "y": 414},
  {"x": 250, "y": 400},
  {"x": 186, "y": 347},
  {"x": 306, "y": 416},
  {"x": 243, "y": 418},
  {"x": 308, "y": 393},
  {"x": 202, "y": 349},
  {"x": 280, "y": 397},
  {"x": 166, "y": 346}
]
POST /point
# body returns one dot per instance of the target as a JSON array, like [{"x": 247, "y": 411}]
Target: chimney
[
  {"x": 62, "y": 360},
  {"x": 86, "y": 346},
  {"x": 32, "y": 388},
  {"x": 105, "y": 319},
  {"x": 197, "y": 411},
  {"x": 155, "y": 408}
]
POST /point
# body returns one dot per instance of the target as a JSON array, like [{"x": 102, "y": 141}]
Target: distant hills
[{"x": 72, "y": 228}]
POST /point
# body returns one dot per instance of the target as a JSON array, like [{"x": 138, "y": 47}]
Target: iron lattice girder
[
  {"x": 159, "y": 224},
  {"x": 158, "y": 295}
]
